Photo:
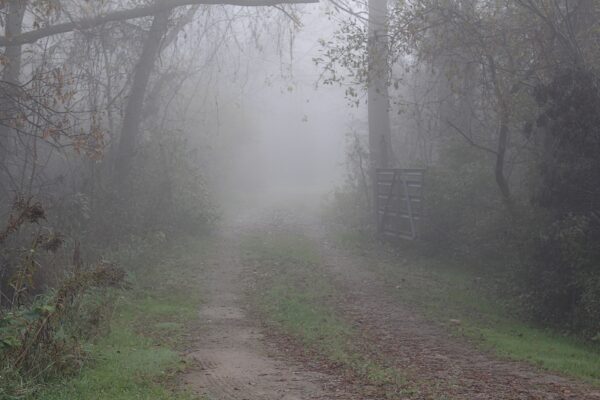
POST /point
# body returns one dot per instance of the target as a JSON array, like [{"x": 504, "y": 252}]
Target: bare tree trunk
[
  {"x": 133, "y": 110},
  {"x": 503, "y": 131},
  {"x": 378, "y": 98},
  {"x": 14, "y": 27},
  {"x": 380, "y": 153},
  {"x": 11, "y": 72},
  {"x": 500, "y": 162}
]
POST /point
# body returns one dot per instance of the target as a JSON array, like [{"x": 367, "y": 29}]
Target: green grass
[
  {"x": 139, "y": 358},
  {"x": 127, "y": 366},
  {"x": 282, "y": 248},
  {"x": 300, "y": 314},
  {"x": 442, "y": 288},
  {"x": 295, "y": 297},
  {"x": 546, "y": 349}
]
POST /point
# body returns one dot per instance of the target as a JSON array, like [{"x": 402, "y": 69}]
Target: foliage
[
  {"x": 168, "y": 178},
  {"x": 479, "y": 71},
  {"x": 350, "y": 205},
  {"x": 564, "y": 278},
  {"x": 548, "y": 249},
  {"x": 139, "y": 357},
  {"x": 165, "y": 193},
  {"x": 464, "y": 213},
  {"x": 41, "y": 336},
  {"x": 62, "y": 103},
  {"x": 344, "y": 58}
]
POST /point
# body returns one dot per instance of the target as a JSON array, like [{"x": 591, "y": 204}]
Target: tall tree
[
  {"x": 135, "y": 102},
  {"x": 12, "y": 68},
  {"x": 14, "y": 38},
  {"x": 378, "y": 97}
]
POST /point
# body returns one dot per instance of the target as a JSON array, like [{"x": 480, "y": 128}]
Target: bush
[
  {"x": 41, "y": 332},
  {"x": 164, "y": 192},
  {"x": 350, "y": 206},
  {"x": 562, "y": 283},
  {"x": 564, "y": 276},
  {"x": 464, "y": 212}
]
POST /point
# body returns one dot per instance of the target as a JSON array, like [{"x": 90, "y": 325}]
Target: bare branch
[
  {"x": 470, "y": 140},
  {"x": 137, "y": 12}
]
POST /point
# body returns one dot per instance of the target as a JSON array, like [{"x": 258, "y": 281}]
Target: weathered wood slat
[
  {"x": 388, "y": 190},
  {"x": 402, "y": 170},
  {"x": 413, "y": 178},
  {"x": 395, "y": 214},
  {"x": 398, "y": 235},
  {"x": 399, "y": 205}
]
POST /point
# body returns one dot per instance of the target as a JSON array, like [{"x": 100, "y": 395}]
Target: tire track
[{"x": 233, "y": 361}]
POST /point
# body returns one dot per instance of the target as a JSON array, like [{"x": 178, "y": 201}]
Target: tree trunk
[
  {"x": 14, "y": 27},
  {"x": 500, "y": 162},
  {"x": 503, "y": 131},
  {"x": 380, "y": 152},
  {"x": 11, "y": 73},
  {"x": 133, "y": 110}
]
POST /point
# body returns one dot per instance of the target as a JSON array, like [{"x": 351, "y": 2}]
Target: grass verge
[
  {"x": 444, "y": 289},
  {"x": 139, "y": 358},
  {"x": 295, "y": 298}
]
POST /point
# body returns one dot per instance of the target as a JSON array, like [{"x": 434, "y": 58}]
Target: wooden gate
[{"x": 399, "y": 202}]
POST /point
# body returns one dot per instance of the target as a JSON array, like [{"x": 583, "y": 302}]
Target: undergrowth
[
  {"x": 103, "y": 330},
  {"x": 43, "y": 332},
  {"x": 140, "y": 358}
]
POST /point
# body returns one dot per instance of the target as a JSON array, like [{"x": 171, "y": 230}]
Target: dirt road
[
  {"x": 235, "y": 361},
  {"x": 238, "y": 362}
]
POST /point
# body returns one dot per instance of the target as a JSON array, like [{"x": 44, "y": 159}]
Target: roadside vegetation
[
  {"x": 509, "y": 228},
  {"x": 510, "y": 142},
  {"x": 473, "y": 303},
  {"x": 121, "y": 342},
  {"x": 106, "y": 160},
  {"x": 153, "y": 321}
]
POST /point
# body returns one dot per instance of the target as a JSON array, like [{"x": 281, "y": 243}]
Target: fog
[
  {"x": 287, "y": 130},
  {"x": 293, "y": 199}
]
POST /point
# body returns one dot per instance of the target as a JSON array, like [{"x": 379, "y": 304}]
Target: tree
[
  {"x": 129, "y": 14},
  {"x": 135, "y": 102},
  {"x": 12, "y": 67},
  {"x": 380, "y": 137},
  {"x": 14, "y": 39}
]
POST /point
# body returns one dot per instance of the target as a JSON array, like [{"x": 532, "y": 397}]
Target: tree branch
[
  {"x": 470, "y": 140},
  {"x": 137, "y": 12}
]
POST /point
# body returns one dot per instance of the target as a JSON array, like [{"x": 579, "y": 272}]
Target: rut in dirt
[{"x": 234, "y": 360}]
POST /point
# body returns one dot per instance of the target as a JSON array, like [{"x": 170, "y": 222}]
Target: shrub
[
  {"x": 165, "y": 191},
  {"x": 41, "y": 333},
  {"x": 564, "y": 276},
  {"x": 464, "y": 212}
]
